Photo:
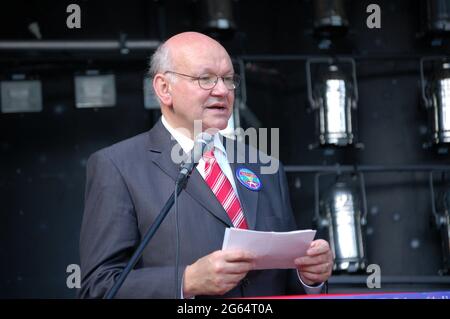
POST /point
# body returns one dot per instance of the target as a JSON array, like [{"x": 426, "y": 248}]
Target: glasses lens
[
  {"x": 207, "y": 81},
  {"x": 231, "y": 82}
]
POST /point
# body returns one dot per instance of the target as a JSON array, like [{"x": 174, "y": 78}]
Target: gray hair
[{"x": 160, "y": 60}]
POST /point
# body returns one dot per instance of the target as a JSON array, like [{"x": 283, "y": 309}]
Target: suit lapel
[
  {"x": 247, "y": 197},
  {"x": 160, "y": 147},
  {"x": 200, "y": 191}
]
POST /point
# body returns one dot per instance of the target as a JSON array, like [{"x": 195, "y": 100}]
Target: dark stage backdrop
[{"x": 43, "y": 155}]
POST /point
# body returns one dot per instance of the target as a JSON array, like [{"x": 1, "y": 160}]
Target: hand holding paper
[
  {"x": 272, "y": 250},
  {"x": 317, "y": 265}
]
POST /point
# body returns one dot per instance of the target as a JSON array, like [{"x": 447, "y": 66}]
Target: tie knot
[{"x": 209, "y": 155}]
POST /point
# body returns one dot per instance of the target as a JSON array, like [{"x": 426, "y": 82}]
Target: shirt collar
[{"x": 185, "y": 142}]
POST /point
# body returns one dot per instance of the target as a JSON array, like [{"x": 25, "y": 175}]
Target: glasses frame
[{"x": 236, "y": 80}]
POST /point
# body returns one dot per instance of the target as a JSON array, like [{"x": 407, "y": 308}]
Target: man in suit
[{"x": 128, "y": 184}]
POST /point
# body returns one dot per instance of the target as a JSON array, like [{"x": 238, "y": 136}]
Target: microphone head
[
  {"x": 204, "y": 138},
  {"x": 202, "y": 143}
]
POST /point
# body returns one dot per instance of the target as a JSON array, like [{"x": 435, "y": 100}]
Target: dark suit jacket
[{"x": 128, "y": 184}]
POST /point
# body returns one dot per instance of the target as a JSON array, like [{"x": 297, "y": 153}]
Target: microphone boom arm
[
  {"x": 148, "y": 236},
  {"x": 202, "y": 140}
]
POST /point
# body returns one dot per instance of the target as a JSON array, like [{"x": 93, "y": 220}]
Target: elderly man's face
[{"x": 191, "y": 102}]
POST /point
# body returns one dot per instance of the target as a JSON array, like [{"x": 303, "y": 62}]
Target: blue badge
[{"x": 248, "y": 179}]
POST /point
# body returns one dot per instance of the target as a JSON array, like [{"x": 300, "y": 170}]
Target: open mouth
[{"x": 217, "y": 107}]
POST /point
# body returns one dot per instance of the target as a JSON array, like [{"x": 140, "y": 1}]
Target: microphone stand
[{"x": 180, "y": 184}]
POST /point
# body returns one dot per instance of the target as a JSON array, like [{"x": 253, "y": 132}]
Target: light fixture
[
  {"x": 333, "y": 97},
  {"x": 438, "y": 16},
  {"x": 443, "y": 224},
  {"x": 21, "y": 95},
  {"x": 445, "y": 232},
  {"x": 341, "y": 215},
  {"x": 440, "y": 208},
  {"x": 217, "y": 18},
  {"x": 436, "y": 97},
  {"x": 95, "y": 90},
  {"x": 330, "y": 18}
]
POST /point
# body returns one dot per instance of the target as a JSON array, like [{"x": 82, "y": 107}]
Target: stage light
[
  {"x": 150, "y": 99},
  {"x": 341, "y": 215},
  {"x": 440, "y": 208},
  {"x": 95, "y": 90},
  {"x": 21, "y": 95},
  {"x": 436, "y": 96},
  {"x": 330, "y": 18},
  {"x": 441, "y": 216},
  {"x": 217, "y": 18},
  {"x": 443, "y": 224},
  {"x": 333, "y": 98},
  {"x": 438, "y": 16},
  {"x": 445, "y": 232}
]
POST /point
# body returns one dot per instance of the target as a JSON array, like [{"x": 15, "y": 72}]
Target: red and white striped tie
[{"x": 221, "y": 187}]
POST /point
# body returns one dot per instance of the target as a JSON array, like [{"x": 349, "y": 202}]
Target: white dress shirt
[{"x": 220, "y": 154}]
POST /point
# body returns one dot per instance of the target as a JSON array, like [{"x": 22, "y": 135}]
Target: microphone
[{"x": 201, "y": 144}]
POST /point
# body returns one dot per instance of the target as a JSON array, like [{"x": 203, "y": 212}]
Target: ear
[{"x": 162, "y": 89}]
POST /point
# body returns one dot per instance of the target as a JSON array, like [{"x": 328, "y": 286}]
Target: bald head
[
  {"x": 177, "y": 67},
  {"x": 191, "y": 41},
  {"x": 182, "y": 49}
]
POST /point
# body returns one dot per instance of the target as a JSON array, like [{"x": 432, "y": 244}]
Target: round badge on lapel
[{"x": 248, "y": 179}]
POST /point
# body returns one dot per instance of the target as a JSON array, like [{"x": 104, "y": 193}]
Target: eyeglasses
[{"x": 209, "y": 81}]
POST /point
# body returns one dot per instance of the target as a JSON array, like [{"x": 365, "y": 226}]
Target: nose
[{"x": 220, "y": 88}]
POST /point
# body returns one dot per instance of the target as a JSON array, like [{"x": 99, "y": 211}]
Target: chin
[{"x": 216, "y": 124}]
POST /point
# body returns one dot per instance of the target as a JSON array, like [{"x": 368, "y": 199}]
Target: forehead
[{"x": 203, "y": 59}]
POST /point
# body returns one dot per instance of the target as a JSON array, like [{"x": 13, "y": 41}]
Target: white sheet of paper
[{"x": 273, "y": 250}]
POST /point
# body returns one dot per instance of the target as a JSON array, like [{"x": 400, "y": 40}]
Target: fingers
[
  {"x": 239, "y": 267},
  {"x": 237, "y": 255},
  {"x": 318, "y": 253},
  {"x": 318, "y": 247},
  {"x": 232, "y": 268},
  {"x": 216, "y": 273},
  {"x": 317, "y": 269},
  {"x": 225, "y": 276},
  {"x": 316, "y": 273},
  {"x": 311, "y": 278},
  {"x": 231, "y": 262},
  {"x": 311, "y": 261},
  {"x": 317, "y": 265}
]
